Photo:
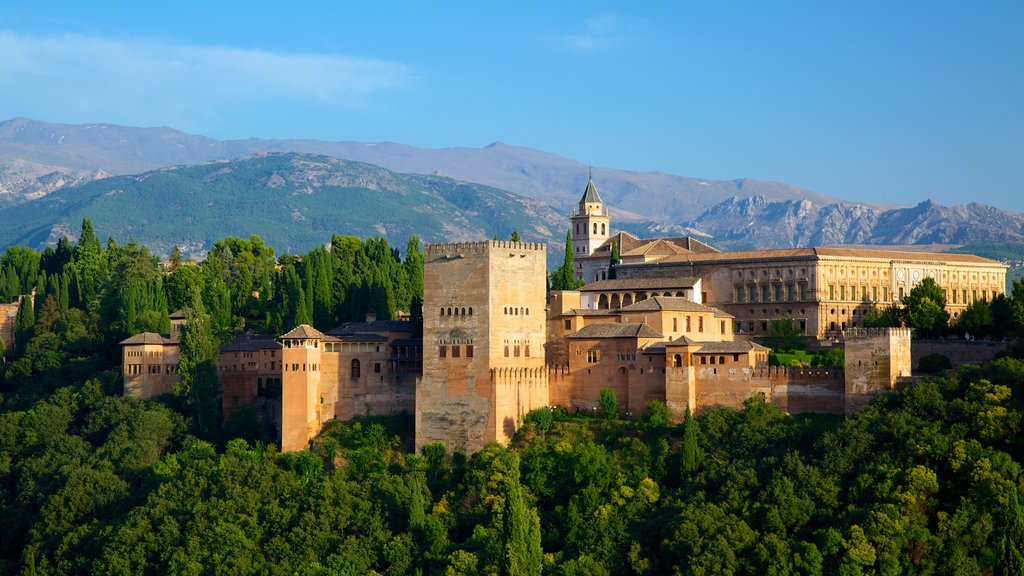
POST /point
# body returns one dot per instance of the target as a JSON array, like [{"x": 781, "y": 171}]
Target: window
[
  {"x": 568, "y": 324},
  {"x": 677, "y": 360},
  {"x": 778, "y": 292},
  {"x": 753, "y": 293},
  {"x": 687, "y": 323},
  {"x": 595, "y": 228},
  {"x": 506, "y": 351},
  {"x": 526, "y": 351},
  {"x": 712, "y": 359},
  {"x": 721, "y": 359},
  {"x": 675, "y": 324},
  {"x": 722, "y": 326},
  {"x": 442, "y": 352},
  {"x": 831, "y": 292},
  {"x": 602, "y": 229},
  {"x": 456, "y": 350},
  {"x": 517, "y": 351},
  {"x": 592, "y": 356},
  {"x": 469, "y": 351},
  {"x": 700, "y": 324},
  {"x": 764, "y": 293}
]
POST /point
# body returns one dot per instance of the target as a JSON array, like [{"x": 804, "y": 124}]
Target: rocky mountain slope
[
  {"x": 757, "y": 222},
  {"x": 293, "y": 201}
]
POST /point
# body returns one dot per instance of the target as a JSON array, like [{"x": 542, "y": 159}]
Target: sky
[{"x": 879, "y": 102}]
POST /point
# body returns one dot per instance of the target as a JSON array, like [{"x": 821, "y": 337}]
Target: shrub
[{"x": 934, "y": 362}]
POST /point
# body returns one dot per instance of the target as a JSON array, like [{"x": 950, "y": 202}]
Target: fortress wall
[{"x": 960, "y": 352}]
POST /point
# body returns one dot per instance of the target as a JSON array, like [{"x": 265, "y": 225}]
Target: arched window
[
  {"x": 721, "y": 359},
  {"x": 602, "y": 229},
  {"x": 677, "y": 360},
  {"x": 442, "y": 311},
  {"x": 506, "y": 351},
  {"x": 470, "y": 310},
  {"x": 355, "y": 368},
  {"x": 463, "y": 311},
  {"x": 449, "y": 311},
  {"x": 595, "y": 228}
]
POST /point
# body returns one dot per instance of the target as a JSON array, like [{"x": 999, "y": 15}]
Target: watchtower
[
  {"x": 875, "y": 360},
  {"x": 483, "y": 313}
]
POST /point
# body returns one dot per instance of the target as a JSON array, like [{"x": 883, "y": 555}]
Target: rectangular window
[
  {"x": 592, "y": 356},
  {"x": 700, "y": 324},
  {"x": 469, "y": 351},
  {"x": 739, "y": 293},
  {"x": 803, "y": 292},
  {"x": 687, "y": 323},
  {"x": 764, "y": 293},
  {"x": 831, "y": 292},
  {"x": 790, "y": 292},
  {"x": 842, "y": 292},
  {"x": 456, "y": 350},
  {"x": 568, "y": 324},
  {"x": 753, "y": 293},
  {"x": 442, "y": 352},
  {"x": 376, "y": 367},
  {"x": 874, "y": 293},
  {"x": 723, "y": 326},
  {"x": 778, "y": 292},
  {"x": 675, "y": 324},
  {"x": 517, "y": 351}
]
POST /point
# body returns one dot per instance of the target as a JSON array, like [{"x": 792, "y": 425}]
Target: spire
[{"x": 590, "y": 194}]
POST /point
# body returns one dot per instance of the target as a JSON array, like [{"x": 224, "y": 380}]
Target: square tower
[{"x": 483, "y": 341}]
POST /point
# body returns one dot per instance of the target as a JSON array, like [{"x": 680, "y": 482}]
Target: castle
[{"x": 674, "y": 325}]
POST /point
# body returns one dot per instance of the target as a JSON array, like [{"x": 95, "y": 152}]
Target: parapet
[
  {"x": 858, "y": 333},
  {"x": 460, "y": 249}
]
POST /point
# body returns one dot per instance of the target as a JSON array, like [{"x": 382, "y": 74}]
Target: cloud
[
  {"x": 130, "y": 80},
  {"x": 599, "y": 32}
]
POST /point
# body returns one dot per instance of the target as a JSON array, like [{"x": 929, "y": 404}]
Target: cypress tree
[
  {"x": 523, "y": 555},
  {"x": 24, "y": 323},
  {"x": 515, "y": 236},
  {"x": 614, "y": 261},
  {"x": 690, "y": 456},
  {"x": 197, "y": 366},
  {"x": 414, "y": 268}
]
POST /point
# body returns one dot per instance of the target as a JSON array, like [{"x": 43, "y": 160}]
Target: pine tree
[
  {"x": 523, "y": 555},
  {"x": 1011, "y": 546},
  {"x": 515, "y": 236}
]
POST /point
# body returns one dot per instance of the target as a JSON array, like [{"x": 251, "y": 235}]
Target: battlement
[
  {"x": 460, "y": 249},
  {"x": 858, "y": 333},
  {"x": 816, "y": 373}
]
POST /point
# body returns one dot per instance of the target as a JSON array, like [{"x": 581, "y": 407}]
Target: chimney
[{"x": 371, "y": 317}]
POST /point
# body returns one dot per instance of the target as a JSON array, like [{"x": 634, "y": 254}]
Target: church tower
[{"x": 591, "y": 225}]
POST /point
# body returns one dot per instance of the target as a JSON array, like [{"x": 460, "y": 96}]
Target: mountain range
[{"x": 162, "y": 186}]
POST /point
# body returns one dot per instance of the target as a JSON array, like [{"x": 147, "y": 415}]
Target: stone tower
[
  {"x": 876, "y": 359},
  {"x": 591, "y": 225},
  {"x": 300, "y": 387},
  {"x": 483, "y": 342}
]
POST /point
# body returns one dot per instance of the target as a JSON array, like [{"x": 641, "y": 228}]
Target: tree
[
  {"x": 784, "y": 335},
  {"x": 690, "y": 455},
  {"x": 609, "y": 403},
  {"x": 613, "y": 261},
  {"x": 887, "y": 317},
  {"x": 657, "y": 413},
  {"x": 522, "y": 555},
  {"x": 976, "y": 319},
  {"x": 197, "y": 366},
  {"x": 926, "y": 309},
  {"x": 515, "y": 236},
  {"x": 1011, "y": 546},
  {"x": 24, "y": 323}
]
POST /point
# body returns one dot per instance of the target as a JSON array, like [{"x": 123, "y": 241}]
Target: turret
[{"x": 591, "y": 225}]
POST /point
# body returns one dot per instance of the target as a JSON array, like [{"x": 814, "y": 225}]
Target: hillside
[
  {"x": 558, "y": 181},
  {"x": 293, "y": 201}
]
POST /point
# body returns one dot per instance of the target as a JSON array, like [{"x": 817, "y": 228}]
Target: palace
[{"x": 674, "y": 324}]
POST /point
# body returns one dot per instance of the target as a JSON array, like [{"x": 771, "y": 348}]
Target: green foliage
[
  {"x": 783, "y": 334},
  {"x": 1011, "y": 545},
  {"x": 925, "y": 309},
  {"x": 564, "y": 278},
  {"x": 887, "y": 317},
  {"x": 608, "y": 403},
  {"x": 657, "y": 413},
  {"x": 832, "y": 358},
  {"x": 515, "y": 236},
  {"x": 542, "y": 418},
  {"x": 933, "y": 363}
]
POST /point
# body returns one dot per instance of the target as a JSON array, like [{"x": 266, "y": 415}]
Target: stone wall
[
  {"x": 8, "y": 315},
  {"x": 876, "y": 359},
  {"x": 960, "y": 352}
]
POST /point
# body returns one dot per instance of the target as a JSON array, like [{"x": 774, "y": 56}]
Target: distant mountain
[
  {"x": 757, "y": 222},
  {"x": 51, "y": 174},
  {"x": 557, "y": 181},
  {"x": 293, "y": 201}
]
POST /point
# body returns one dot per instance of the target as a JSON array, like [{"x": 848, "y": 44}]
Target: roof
[
  {"x": 590, "y": 194},
  {"x": 148, "y": 338},
  {"x": 592, "y": 312},
  {"x": 407, "y": 342},
  {"x": 304, "y": 331},
  {"x": 641, "y": 284},
  {"x": 734, "y": 347},
  {"x": 356, "y": 337},
  {"x": 178, "y": 314},
  {"x": 670, "y": 304},
  {"x": 827, "y": 252},
  {"x": 375, "y": 326},
  {"x": 659, "y": 247},
  {"x": 617, "y": 330},
  {"x": 250, "y": 341}
]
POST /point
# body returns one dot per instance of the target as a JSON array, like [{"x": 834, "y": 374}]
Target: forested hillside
[{"x": 926, "y": 480}]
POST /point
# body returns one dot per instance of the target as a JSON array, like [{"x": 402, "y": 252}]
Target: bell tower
[{"x": 591, "y": 224}]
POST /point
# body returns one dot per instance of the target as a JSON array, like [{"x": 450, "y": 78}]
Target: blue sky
[{"x": 879, "y": 102}]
